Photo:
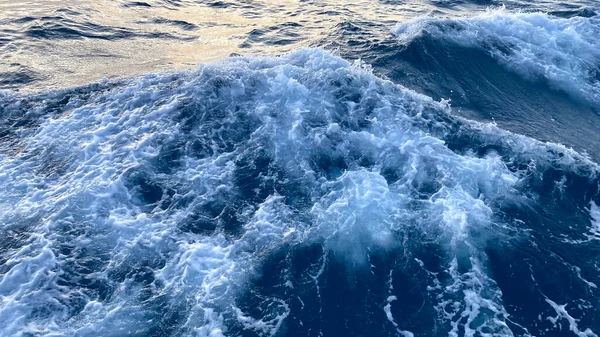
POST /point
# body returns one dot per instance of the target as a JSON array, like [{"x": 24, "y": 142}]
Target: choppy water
[{"x": 368, "y": 168}]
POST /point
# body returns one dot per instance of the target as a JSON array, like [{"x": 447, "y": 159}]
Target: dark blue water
[{"x": 363, "y": 169}]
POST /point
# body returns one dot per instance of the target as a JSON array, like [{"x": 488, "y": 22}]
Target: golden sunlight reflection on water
[{"x": 197, "y": 33}]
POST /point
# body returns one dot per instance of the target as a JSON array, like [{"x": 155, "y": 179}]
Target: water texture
[{"x": 214, "y": 168}]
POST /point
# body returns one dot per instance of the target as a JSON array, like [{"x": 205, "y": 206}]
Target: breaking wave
[
  {"x": 289, "y": 196},
  {"x": 563, "y": 51}
]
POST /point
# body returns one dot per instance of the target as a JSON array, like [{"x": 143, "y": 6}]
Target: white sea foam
[
  {"x": 566, "y": 52},
  {"x": 388, "y": 310},
  {"x": 99, "y": 207},
  {"x": 595, "y": 221},
  {"x": 562, "y": 313}
]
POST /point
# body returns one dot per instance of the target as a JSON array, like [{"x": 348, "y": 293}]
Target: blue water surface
[{"x": 299, "y": 168}]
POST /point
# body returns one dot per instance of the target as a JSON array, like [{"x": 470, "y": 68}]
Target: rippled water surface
[
  {"x": 300, "y": 168},
  {"x": 51, "y": 43}
]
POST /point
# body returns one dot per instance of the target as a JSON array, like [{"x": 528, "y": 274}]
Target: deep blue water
[{"x": 373, "y": 168}]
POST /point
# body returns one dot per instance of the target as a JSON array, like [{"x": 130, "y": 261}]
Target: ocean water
[{"x": 300, "y": 168}]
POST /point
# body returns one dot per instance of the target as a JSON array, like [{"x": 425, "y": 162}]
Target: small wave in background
[{"x": 399, "y": 169}]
